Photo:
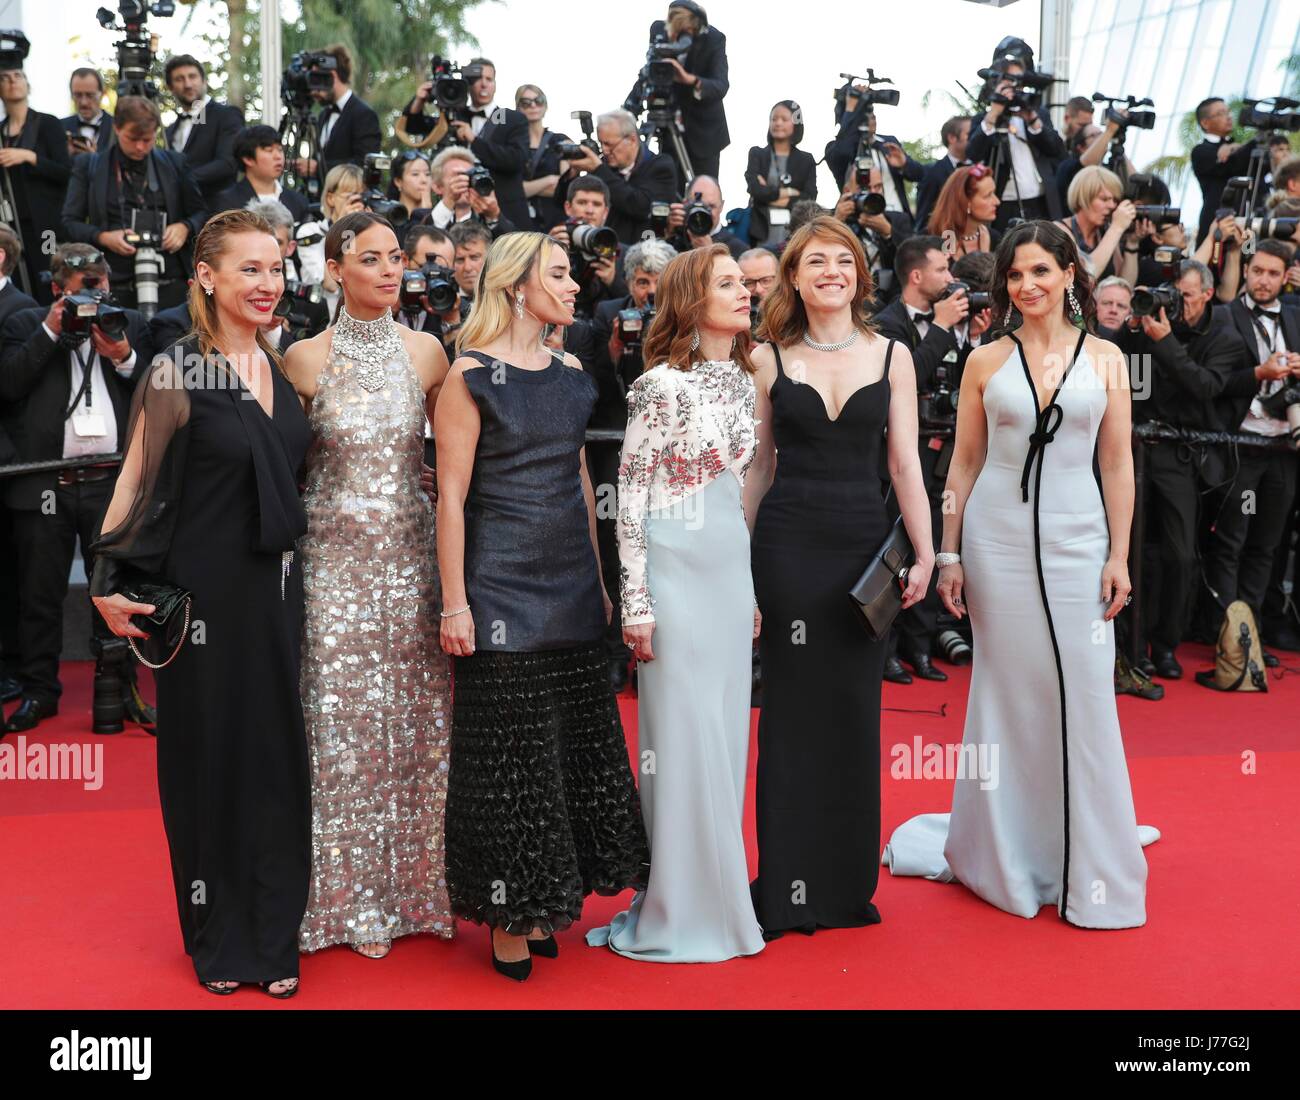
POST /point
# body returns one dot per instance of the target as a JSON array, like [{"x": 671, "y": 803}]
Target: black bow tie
[
  {"x": 1264, "y": 311},
  {"x": 330, "y": 109},
  {"x": 478, "y": 114},
  {"x": 928, "y": 318}
]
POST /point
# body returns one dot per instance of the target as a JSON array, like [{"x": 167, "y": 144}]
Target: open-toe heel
[
  {"x": 284, "y": 994},
  {"x": 220, "y": 989}
]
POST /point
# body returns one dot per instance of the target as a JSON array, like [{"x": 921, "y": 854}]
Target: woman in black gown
[
  {"x": 828, "y": 386},
  {"x": 208, "y": 500}
]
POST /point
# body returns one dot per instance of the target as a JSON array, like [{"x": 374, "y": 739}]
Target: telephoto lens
[
  {"x": 594, "y": 240},
  {"x": 954, "y": 647},
  {"x": 481, "y": 180},
  {"x": 871, "y": 203},
  {"x": 699, "y": 218}
]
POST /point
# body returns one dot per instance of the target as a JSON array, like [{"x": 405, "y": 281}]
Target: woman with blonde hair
[
  {"x": 341, "y": 195},
  {"x": 1100, "y": 222},
  {"x": 689, "y": 614},
  {"x": 545, "y": 167},
  {"x": 964, "y": 211},
  {"x": 541, "y": 805},
  {"x": 828, "y": 388},
  {"x": 208, "y": 500}
]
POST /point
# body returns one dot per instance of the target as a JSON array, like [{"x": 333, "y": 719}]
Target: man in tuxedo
[
  {"x": 11, "y": 300},
  {"x": 425, "y": 245},
  {"x": 634, "y": 175},
  {"x": 1079, "y": 111},
  {"x": 936, "y": 330},
  {"x": 35, "y": 166},
  {"x": 884, "y": 151},
  {"x": 63, "y": 397},
  {"x": 954, "y": 134},
  {"x": 134, "y": 175},
  {"x": 711, "y": 195},
  {"x": 204, "y": 130},
  {"x": 1253, "y": 520},
  {"x": 90, "y": 127},
  {"x": 700, "y": 83},
  {"x": 599, "y": 278},
  {"x": 347, "y": 128},
  {"x": 880, "y": 234},
  {"x": 259, "y": 153},
  {"x": 1027, "y": 149},
  {"x": 1216, "y": 159},
  {"x": 457, "y": 200}
]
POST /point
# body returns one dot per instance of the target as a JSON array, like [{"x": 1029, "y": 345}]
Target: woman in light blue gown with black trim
[{"x": 689, "y": 615}]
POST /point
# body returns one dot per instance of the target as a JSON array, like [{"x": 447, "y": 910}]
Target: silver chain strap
[{"x": 184, "y": 631}]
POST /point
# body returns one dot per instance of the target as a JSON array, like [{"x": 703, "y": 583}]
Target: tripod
[
  {"x": 9, "y": 216},
  {"x": 665, "y": 127},
  {"x": 1116, "y": 161},
  {"x": 1002, "y": 153},
  {"x": 298, "y": 133}
]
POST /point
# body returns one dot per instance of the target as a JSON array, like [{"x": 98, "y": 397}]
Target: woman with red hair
[{"x": 964, "y": 211}]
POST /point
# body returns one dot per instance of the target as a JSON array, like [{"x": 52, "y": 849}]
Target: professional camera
[
  {"x": 1236, "y": 201},
  {"x": 432, "y": 286},
  {"x": 146, "y": 234},
  {"x": 1026, "y": 94},
  {"x": 372, "y": 198},
  {"x": 654, "y": 87},
  {"x": 1143, "y": 120},
  {"x": 480, "y": 179},
  {"x": 14, "y": 48},
  {"x": 1150, "y": 300},
  {"x": 633, "y": 323},
  {"x": 135, "y": 49},
  {"x": 1285, "y": 405},
  {"x": 659, "y": 214},
  {"x": 699, "y": 217},
  {"x": 979, "y": 299},
  {"x": 1282, "y": 115},
  {"x": 89, "y": 307},
  {"x": 862, "y": 87},
  {"x": 1161, "y": 215},
  {"x": 308, "y": 71},
  {"x": 592, "y": 241},
  {"x": 570, "y": 149},
  {"x": 871, "y": 203},
  {"x": 305, "y": 306},
  {"x": 937, "y": 408}
]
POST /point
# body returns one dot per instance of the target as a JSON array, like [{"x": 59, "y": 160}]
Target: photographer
[
  {"x": 1079, "y": 112},
  {"x": 854, "y": 110},
  {"x": 204, "y": 130},
  {"x": 465, "y": 192},
  {"x": 636, "y": 177},
  {"x": 1215, "y": 159},
  {"x": 472, "y": 242},
  {"x": 64, "y": 395},
  {"x": 684, "y": 230},
  {"x": 89, "y": 127},
  {"x": 34, "y": 159},
  {"x": 880, "y": 233},
  {"x": 1286, "y": 177},
  {"x": 347, "y": 128},
  {"x": 1191, "y": 362},
  {"x": 1240, "y": 561},
  {"x": 1026, "y": 174},
  {"x": 108, "y": 188},
  {"x": 955, "y": 134},
  {"x": 1100, "y": 222},
  {"x": 1113, "y": 302},
  {"x": 699, "y": 84},
  {"x": 431, "y": 250},
  {"x": 778, "y": 175},
  {"x": 258, "y": 151},
  {"x": 599, "y": 277}
]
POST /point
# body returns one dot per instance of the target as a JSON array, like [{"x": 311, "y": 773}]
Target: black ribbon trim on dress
[{"x": 1044, "y": 431}]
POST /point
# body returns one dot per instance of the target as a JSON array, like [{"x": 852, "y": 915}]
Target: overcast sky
[{"x": 586, "y": 55}]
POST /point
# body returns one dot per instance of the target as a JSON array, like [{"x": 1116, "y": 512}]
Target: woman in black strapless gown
[{"x": 818, "y": 789}]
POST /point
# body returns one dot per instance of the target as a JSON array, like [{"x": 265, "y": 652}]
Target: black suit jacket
[
  {"x": 36, "y": 390},
  {"x": 85, "y": 209},
  {"x": 1047, "y": 148},
  {"x": 927, "y": 353},
  {"x": 355, "y": 134},
  {"x": 932, "y": 180},
  {"x": 210, "y": 147},
  {"x": 168, "y": 327},
  {"x": 239, "y": 196},
  {"x": 38, "y": 188},
  {"x": 611, "y": 403},
  {"x": 802, "y": 170},
  {"x": 502, "y": 147},
  {"x": 1212, "y": 175},
  {"x": 11, "y": 301},
  {"x": 841, "y": 150},
  {"x": 72, "y": 125},
  {"x": 705, "y": 119},
  {"x": 1241, "y": 387},
  {"x": 653, "y": 179}
]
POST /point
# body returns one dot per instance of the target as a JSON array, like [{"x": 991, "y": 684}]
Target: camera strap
[{"x": 86, "y": 389}]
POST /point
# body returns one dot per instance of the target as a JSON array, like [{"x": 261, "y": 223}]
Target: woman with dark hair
[
  {"x": 410, "y": 185},
  {"x": 541, "y": 804},
  {"x": 1043, "y": 813},
  {"x": 208, "y": 500},
  {"x": 545, "y": 169},
  {"x": 779, "y": 174},
  {"x": 376, "y": 688},
  {"x": 689, "y": 614},
  {"x": 964, "y": 211},
  {"x": 828, "y": 388}
]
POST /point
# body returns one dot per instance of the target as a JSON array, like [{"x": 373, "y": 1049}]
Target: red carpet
[{"x": 90, "y": 919}]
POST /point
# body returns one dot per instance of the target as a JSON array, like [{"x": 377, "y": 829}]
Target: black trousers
[
  {"x": 915, "y": 628},
  {"x": 1029, "y": 209},
  {"x": 1275, "y": 609},
  {"x": 1169, "y": 567},
  {"x": 1250, "y": 527},
  {"x": 46, "y": 539},
  {"x": 602, "y": 468},
  {"x": 10, "y": 646}
]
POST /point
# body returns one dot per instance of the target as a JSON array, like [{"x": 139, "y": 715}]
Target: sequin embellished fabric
[
  {"x": 684, "y": 429},
  {"x": 375, "y": 682}
]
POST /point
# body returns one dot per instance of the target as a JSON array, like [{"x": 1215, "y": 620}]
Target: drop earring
[
  {"x": 1006, "y": 321},
  {"x": 1076, "y": 312},
  {"x": 519, "y": 306},
  {"x": 695, "y": 341}
]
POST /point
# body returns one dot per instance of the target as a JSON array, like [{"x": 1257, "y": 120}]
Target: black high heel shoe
[
  {"x": 519, "y": 971},
  {"x": 547, "y": 948},
  {"x": 218, "y": 989},
  {"x": 283, "y": 994}
]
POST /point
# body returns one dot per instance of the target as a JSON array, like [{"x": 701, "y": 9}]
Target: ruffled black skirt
[{"x": 542, "y": 808}]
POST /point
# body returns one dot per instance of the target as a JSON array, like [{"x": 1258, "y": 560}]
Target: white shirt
[
  {"x": 97, "y": 402},
  {"x": 274, "y": 196},
  {"x": 476, "y": 123},
  {"x": 444, "y": 215},
  {"x": 90, "y": 129},
  {"x": 960, "y": 331},
  {"x": 333, "y": 117},
  {"x": 1023, "y": 182},
  {"x": 1266, "y": 342},
  {"x": 892, "y": 199},
  {"x": 187, "y": 121}
]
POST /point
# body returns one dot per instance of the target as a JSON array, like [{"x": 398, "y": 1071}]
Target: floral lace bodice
[{"x": 684, "y": 429}]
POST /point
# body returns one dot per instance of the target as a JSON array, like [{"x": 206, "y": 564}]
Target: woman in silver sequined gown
[{"x": 375, "y": 683}]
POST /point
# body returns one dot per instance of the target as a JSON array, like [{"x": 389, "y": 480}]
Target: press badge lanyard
[
  {"x": 84, "y": 422},
  {"x": 1266, "y": 387}
]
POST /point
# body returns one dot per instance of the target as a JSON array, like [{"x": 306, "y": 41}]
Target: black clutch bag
[
  {"x": 166, "y": 627},
  {"x": 878, "y": 595}
]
